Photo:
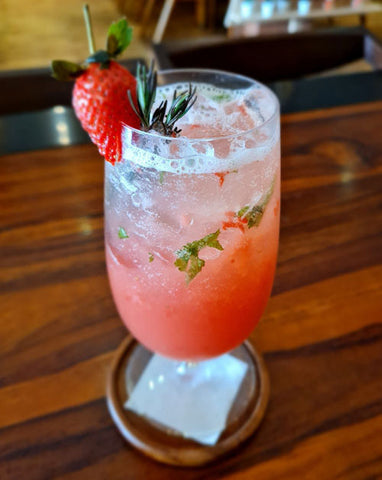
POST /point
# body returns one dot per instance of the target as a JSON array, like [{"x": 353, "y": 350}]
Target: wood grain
[
  {"x": 321, "y": 335},
  {"x": 242, "y": 421},
  {"x": 49, "y": 29}
]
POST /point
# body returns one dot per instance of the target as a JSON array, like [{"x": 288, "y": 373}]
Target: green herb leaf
[
  {"x": 151, "y": 257},
  {"x": 242, "y": 211},
  {"x": 122, "y": 233},
  {"x": 111, "y": 45},
  {"x": 195, "y": 265},
  {"x": 255, "y": 214},
  {"x": 160, "y": 119},
  {"x": 119, "y": 37},
  {"x": 161, "y": 177},
  {"x": 221, "y": 97},
  {"x": 66, "y": 71},
  {"x": 188, "y": 256}
]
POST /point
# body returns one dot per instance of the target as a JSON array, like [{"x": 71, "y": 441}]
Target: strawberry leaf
[
  {"x": 100, "y": 56},
  {"x": 112, "y": 45},
  {"x": 119, "y": 37},
  {"x": 66, "y": 71},
  {"x": 188, "y": 256}
]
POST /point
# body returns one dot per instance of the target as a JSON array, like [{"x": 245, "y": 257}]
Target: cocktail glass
[{"x": 191, "y": 234}]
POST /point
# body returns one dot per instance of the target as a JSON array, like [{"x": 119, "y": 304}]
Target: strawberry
[
  {"x": 101, "y": 104},
  {"x": 100, "y": 92}
]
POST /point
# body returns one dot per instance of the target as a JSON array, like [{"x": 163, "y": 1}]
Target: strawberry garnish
[
  {"x": 100, "y": 92},
  {"x": 101, "y": 104}
]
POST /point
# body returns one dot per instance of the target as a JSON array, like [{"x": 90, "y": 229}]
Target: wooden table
[{"x": 321, "y": 334}]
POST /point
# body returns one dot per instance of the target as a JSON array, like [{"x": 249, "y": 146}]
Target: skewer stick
[{"x": 89, "y": 29}]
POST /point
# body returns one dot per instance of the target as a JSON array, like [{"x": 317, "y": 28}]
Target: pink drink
[{"x": 167, "y": 194}]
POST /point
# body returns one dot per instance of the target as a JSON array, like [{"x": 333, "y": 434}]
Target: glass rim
[{"x": 269, "y": 120}]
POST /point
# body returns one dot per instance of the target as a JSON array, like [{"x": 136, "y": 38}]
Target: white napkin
[{"x": 194, "y": 404}]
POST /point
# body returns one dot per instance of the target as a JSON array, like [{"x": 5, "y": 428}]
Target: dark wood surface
[
  {"x": 321, "y": 335},
  {"x": 276, "y": 57}
]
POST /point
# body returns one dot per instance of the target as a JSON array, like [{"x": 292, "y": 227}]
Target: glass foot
[{"x": 185, "y": 413}]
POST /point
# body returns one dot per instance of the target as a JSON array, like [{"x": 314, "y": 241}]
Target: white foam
[{"x": 226, "y": 116}]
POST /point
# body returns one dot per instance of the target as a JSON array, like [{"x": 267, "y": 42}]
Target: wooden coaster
[{"x": 165, "y": 447}]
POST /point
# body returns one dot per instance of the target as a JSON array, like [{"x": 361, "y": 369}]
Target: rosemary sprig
[
  {"x": 146, "y": 93},
  {"x": 161, "y": 120}
]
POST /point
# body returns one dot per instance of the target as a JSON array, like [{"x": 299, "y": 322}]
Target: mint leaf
[
  {"x": 66, "y": 71},
  {"x": 119, "y": 37},
  {"x": 194, "y": 267},
  {"x": 221, "y": 97},
  {"x": 181, "y": 262},
  {"x": 188, "y": 256},
  {"x": 242, "y": 211},
  {"x": 122, "y": 233},
  {"x": 255, "y": 214},
  {"x": 213, "y": 242}
]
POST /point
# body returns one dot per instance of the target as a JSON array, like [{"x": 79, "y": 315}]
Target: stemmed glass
[{"x": 191, "y": 235}]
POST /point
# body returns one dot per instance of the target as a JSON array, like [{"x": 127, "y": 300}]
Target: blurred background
[{"x": 33, "y": 33}]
